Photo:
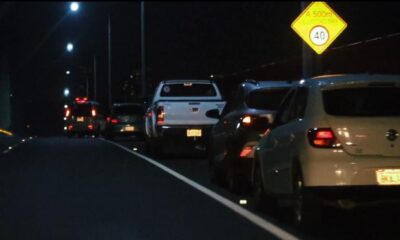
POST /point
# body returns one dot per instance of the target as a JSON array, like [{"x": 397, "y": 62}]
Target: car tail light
[
  {"x": 323, "y": 138},
  {"x": 93, "y": 112},
  {"x": 160, "y": 115},
  {"x": 247, "y": 121},
  {"x": 67, "y": 113},
  {"x": 246, "y": 151},
  {"x": 70, "y": 127},
  {"x": 114, "y": 121},
  {"x": 90, "y": 126}
]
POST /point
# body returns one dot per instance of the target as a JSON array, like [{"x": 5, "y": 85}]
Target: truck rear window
[
  {"x": 81, "y": 109},
  {"x": 188, "y": 90},
  {"x": 367, "y": 101}
]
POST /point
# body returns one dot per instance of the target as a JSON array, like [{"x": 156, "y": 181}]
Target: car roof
[
  {"x": 127, "y": 104},
  {"x": 256, "y": 84},
  {"x": 341, "y": 79},
  {"x": 189, "y": 80}
]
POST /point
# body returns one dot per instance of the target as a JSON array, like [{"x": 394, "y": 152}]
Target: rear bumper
[
  {"x": 125, "y": 129},
  {"x": 349, "y": 197},
  {"x": 180, "y": 132}
]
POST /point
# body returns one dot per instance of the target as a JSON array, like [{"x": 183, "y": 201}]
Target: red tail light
[
  {"x": 246, "y": 151},
  {"x": 114, "y": 121},
  {"x": 93, "y": 112},
  {"x": 160, "y": 115},
  {"x": 323, "y": 138},
  {"x": 70, "y": 127},
  {"x": 67, "y": 113},
  {"x": 90, "y": 126}
]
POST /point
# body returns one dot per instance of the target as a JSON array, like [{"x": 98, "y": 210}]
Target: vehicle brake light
[
  {"x": 246, "y": 151},
  {"x": 160, "y": 115},
  {"x": 323, "y": 138},
  {"x": 114, "y": 121},
  {"x": 70, "y": 127},
  {"x": 67, "y": 113},
  {"x": 247, "y": 121},
  {"x": 90, "y": 126},
  {"x": 81, "y": 100},
  {"x": 94, "y": 112}
]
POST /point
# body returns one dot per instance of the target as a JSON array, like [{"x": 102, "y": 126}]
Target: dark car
[
  {"x": 126, "y": 119},
  {"x": 84, "y": 117},
  {"x": 241, "y": 124}
]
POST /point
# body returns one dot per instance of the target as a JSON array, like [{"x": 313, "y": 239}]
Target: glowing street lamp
[
  {"x": 66, "y": 92},
  {"x": 70, "y": 47},
  {"x": 74, "y": 6},
  {"x": 68, "y": 72}
]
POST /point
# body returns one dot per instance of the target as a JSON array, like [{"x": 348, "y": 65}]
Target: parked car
[
  {"x": 243, "y": 120},
  {"x": 84, "y": 117},
  {"x": 177, "y": 113},
  {"x": 126, "y": 119},
  {"x": 335, "y": 141}
]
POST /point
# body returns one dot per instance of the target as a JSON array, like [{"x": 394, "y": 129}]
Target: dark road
[{"x": 58, "y": 188}]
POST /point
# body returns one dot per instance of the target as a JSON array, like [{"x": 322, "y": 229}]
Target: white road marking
[{"x": 271, "y": 228}]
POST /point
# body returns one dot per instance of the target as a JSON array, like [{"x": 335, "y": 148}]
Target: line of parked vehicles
[{"x": 331, "y": 140}]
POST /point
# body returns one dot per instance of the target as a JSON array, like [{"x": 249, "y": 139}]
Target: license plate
[
  {"x": 129, "y": 128},
  {"x": 80, "y": 119},
  {"x": 388, "y": 176},
  {"x": 193, "y": 133}
]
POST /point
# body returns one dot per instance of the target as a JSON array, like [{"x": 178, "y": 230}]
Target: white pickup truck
[{"x": 178, "y": 113}]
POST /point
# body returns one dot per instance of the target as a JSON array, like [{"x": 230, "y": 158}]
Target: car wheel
[
  {"x": 306, "y": 209},
  {"x": 236, "y": 183},
  {"x": 156, "y": 148},
  {"x": 262, "y": 202}
]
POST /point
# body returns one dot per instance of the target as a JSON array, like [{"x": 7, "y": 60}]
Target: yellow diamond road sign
[{"x": 318, "y": 25}]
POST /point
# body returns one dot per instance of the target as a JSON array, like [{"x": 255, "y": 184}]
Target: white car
[{"x": 335, "y": 141}]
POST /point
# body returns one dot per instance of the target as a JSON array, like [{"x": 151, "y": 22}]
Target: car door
[
  {"x": 223, "y": 130},
  {"x": 273, "y": 147}
]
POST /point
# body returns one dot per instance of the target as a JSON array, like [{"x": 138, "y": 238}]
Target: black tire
[
  {"x": 237, "y": 183},
  {"x": 217, "y": 175},
  {"x": 306, "y": 208},
  {"x": 262, "y": 202},
  {"x": 156, "y": 148}
]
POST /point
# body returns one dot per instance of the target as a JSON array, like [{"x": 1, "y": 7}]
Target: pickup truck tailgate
[{"x": 190, "y": 112}]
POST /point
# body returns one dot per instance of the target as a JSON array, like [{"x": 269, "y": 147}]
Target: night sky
[{"x": 184, "y": 40}]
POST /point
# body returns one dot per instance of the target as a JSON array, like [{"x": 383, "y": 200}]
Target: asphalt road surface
[{"x": 59, "y": 188}]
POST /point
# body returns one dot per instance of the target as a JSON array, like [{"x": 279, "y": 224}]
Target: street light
[
  {"x": 70, "y": 47},
  {"x": 74, "y": 6},
  {"x": 68, "y": 72},
  {"x": 66, "y": 92}
]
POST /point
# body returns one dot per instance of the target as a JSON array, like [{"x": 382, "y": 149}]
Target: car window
[
  {"x": 128, "y": 110},
  {"x": 367, "y": 101},
  {"x": 282, "y": 115},
  {"x": 83, "y": 109},
  {"x": 266, "y": 99},
  {"x": 188, "y": 90},
  {"x": 299, "y": 104}
]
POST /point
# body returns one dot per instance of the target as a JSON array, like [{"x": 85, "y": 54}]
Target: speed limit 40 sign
[{"x": 318, "y": 25}]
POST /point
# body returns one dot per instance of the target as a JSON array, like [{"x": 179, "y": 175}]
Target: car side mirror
[{"x": 213, "y": 113}]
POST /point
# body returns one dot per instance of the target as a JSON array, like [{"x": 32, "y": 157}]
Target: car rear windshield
[
  {"x": 83, "y": 109},
  {"x": 266, "y": 99},
  {"x": 128, "y": 110},
  {"x": 188, "y": 90},
  {"x": 367, "y": 101}
]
